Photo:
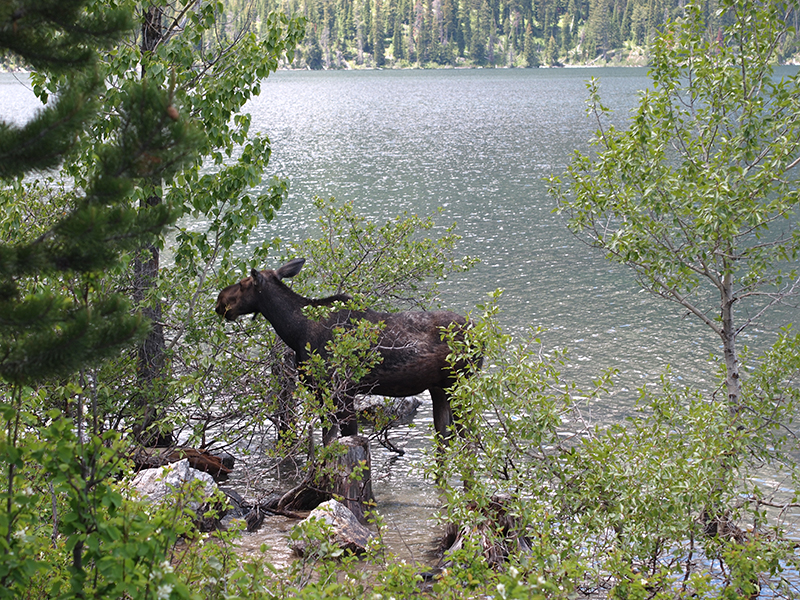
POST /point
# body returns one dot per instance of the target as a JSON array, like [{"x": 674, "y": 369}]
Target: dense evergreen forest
[{"x": 492, "y": 33}]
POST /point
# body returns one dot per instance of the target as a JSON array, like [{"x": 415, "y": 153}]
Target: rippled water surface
[
  {"x": 477, "y": 144},
  {"x": 17, "y": 101}
]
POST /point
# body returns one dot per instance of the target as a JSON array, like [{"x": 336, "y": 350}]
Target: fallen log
[{"x": 217, "y": 466}]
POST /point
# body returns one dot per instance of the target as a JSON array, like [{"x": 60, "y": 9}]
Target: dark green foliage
[
  {"x": 698, "y": 196},
  {"x": 555, "y": 507},
  {"x": 47, "y": 330},
  {"x": 56, "y": 318},
  {"x": 211, "y": 68},
  {"x": 57, "y": 34},
  {"x": 470, "y": 32}
]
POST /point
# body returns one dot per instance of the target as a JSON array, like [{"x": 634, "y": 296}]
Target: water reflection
[
  {"x": 17, "y": 100},
  {"x": 479, "y": 144}
]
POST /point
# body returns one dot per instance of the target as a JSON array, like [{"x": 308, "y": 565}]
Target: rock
[
  {"x": 387, "y": 412},
  {"x": 228, "y": 459},
  {"x": 170, "y": 484},
  {"x": 346, "y": 531}
]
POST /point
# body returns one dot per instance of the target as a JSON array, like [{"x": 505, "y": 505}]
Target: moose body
[{"x": 414, "y": 355}]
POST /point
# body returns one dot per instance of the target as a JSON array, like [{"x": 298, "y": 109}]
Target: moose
[{"x": 414, "y": 355}]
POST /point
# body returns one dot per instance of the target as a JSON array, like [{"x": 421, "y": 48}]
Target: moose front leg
[{"x": 445, "y": 424}]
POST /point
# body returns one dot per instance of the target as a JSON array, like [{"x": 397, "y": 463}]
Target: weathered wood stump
[{"x": 347, "y": 477}]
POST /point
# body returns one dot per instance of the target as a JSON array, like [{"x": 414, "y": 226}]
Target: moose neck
[{"x": 283, "y": 308}]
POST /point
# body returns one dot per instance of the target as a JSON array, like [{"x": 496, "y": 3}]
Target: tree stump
[
  {"x": 348, "y": 477},
  {"x": 352, "y": 476}
]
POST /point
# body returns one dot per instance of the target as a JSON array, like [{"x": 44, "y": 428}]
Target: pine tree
[
  {"x": 397, "y": 40},
  {"x": 551, "y": 52},
  {"x": 377, "y": 36},
  {"x": 601, "y": 28},
  {"x": 531, "y": 59},
  {"x": 450, "y": 17},
  {"x": 463, "y": 32},
  {"x": 477, "y": 47},
  {"x": 46, "y": 330},
  {"x": 480, "y": 34},
  {"x": 366, "y": 11},
  {"x": 425, "y": 37},
  {"x": 314, "y": 52},
  {"x": 490, "y": 57},
  {"x": 566, "y": 37}
]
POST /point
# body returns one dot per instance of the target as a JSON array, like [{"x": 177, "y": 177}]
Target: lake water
[{"x": 477, "y": 144}]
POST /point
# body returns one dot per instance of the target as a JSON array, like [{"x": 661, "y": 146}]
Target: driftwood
[
  {"x": 254, "y": 513},
  {"x": 347, "y": 478},
  {"x": 217, "y": 466}
]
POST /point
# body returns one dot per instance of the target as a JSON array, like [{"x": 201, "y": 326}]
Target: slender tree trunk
[
  {"x": 732, "y": 382},
  {"x": 150, "y": 359},
  {"x": 714, "y": 516}
]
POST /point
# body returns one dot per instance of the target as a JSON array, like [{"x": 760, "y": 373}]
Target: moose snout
[{"x": 222, "y": 309}]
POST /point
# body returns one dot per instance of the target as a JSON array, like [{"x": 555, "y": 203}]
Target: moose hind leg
[
  {"x": 442, "y": 422},
  {"x": 442, "y": 415}
]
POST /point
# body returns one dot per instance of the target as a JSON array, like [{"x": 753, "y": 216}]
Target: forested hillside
[{"x": 500, "y": 33}]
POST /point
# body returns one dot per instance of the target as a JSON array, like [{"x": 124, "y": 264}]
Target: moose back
[{"x": 414, "y": 356}]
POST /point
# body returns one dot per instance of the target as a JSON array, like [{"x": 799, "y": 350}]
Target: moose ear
[
  {"x": 291, "y": 268},
  {"x": 255, "y": 275}
]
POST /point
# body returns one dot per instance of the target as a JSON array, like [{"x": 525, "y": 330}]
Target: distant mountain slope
[{"x": 500, "y": 33}]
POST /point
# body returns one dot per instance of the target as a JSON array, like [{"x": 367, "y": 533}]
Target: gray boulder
[
  {"x": 388, "y": 412},
  {"x": 171, "y": 483},
  {"x": 346, "y": 532}
]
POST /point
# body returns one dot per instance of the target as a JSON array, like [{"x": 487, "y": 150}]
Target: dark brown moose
[{"x": 414, "y": 356}]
